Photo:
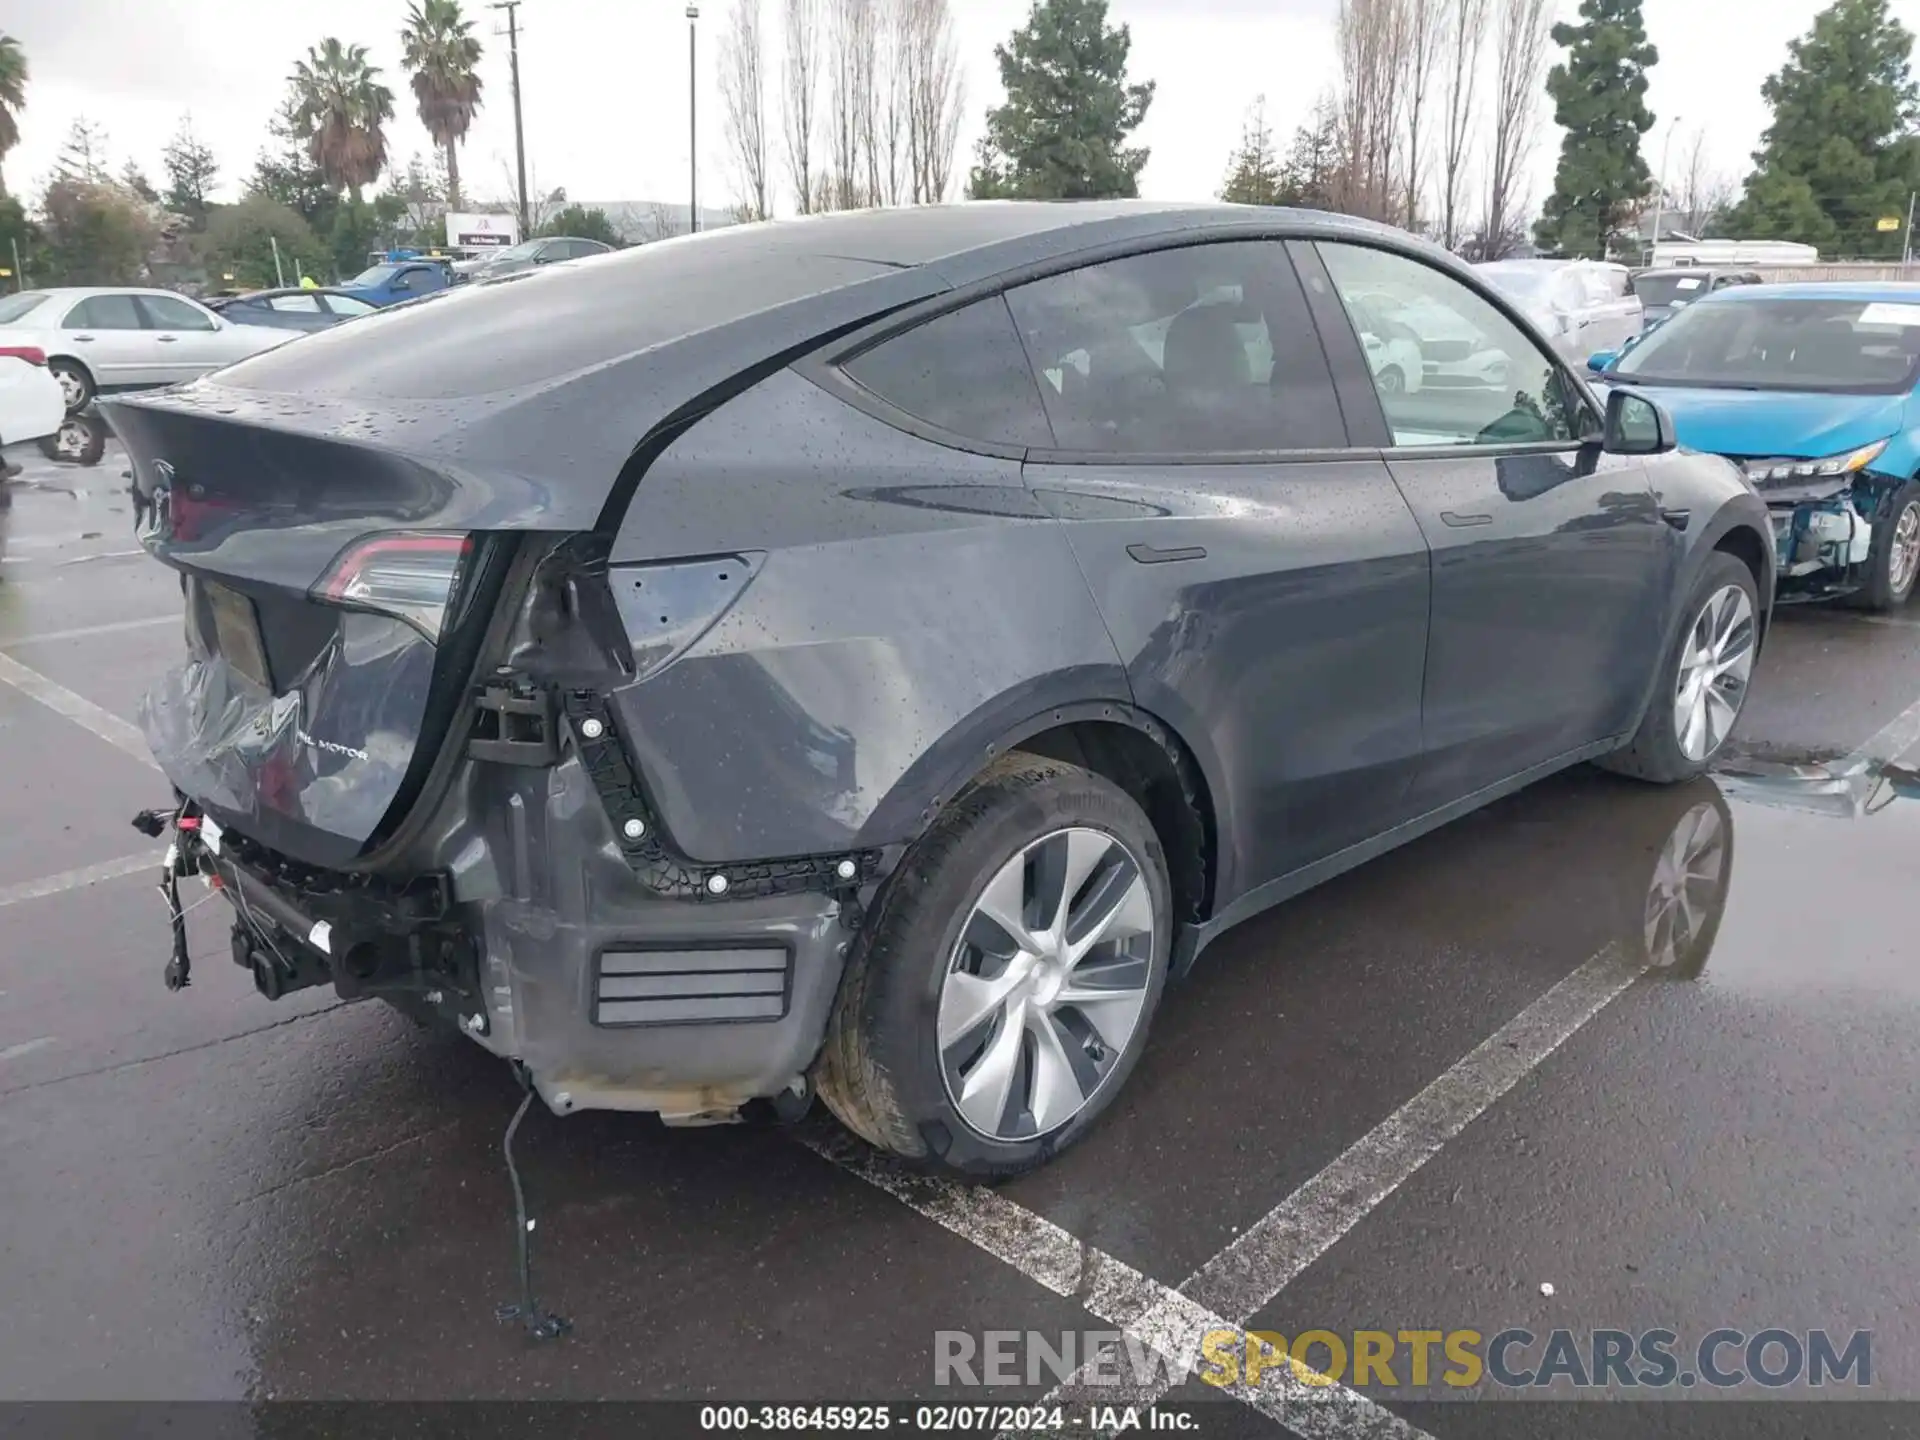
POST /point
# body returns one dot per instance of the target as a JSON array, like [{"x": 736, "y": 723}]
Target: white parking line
[
  {"x": 111, "y": 628},
  {"x": 1244, "y": 1278},
  {"x": 27, "y": 1047},
  {"x": 77, "y": 708},
  {"x": 1147, "y": 1312},
  {"x": 1889, "y": 742},
  {"x": 74, "y": 879}
]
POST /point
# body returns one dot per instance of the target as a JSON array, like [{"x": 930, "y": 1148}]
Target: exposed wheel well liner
[{"x": 1153, "y": 765}]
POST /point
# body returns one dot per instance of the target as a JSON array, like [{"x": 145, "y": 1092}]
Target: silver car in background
[
  {"x": 125, "y": 338},
  {"x": 1580, "y": 305}
]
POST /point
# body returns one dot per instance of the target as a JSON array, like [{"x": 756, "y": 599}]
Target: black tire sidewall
[
  {"x": 73, "y": 367},
  {"x": 917, "y": 946},
  {"x": 1669, "y": 762},
  {"x": 1880, "y": 592}
]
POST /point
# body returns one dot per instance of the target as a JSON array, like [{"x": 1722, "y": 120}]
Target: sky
[{"x": 605, "y": 86}]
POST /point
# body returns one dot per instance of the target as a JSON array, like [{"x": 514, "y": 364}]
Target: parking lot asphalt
[{"x": 1467, "y": 1087}]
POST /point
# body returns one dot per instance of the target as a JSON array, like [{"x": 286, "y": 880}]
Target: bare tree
[
  {"x": 935, "y": 93},
  {"x": 743, "y": 93},
  {"x": 1373, "y": 44},
  {"x": 852, "y": 56},
  {"x": 1464, "y": 30},
  {"x": 800, "y": 98},
  {"x": 1425, "y": 27},
  {"x": 1521, "y": 37},
  {"x": 1703, "y": 194}
]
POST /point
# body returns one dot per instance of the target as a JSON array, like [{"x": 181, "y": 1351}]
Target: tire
[
  {"x": 884, "y": 1071},
  {"x": 76, "y": 442},
  {"x": 1391, "y": 381},
  {"x": 1659, "y": 752},
  {"x": 1893, "y": 563},
  {"x": 75, "y": 381}
]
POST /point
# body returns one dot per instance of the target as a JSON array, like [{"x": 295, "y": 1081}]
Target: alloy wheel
[
  {"x": 1046, "y": 984},
  {"x": 1903, "y": 557},
  {"x": 1716, "y": 664},
  {"x": 72, "y": 387},
  {"x": 1686, "y": 881}
]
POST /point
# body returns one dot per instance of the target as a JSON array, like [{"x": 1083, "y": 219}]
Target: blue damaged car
[{"x": 1811, "y": 389}]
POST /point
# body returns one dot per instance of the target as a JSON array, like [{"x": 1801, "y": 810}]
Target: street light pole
[
  {"x": 693, "y": 120},
  {"x": 1660, "y": 191},
  {"x": 512, "y": 7}
]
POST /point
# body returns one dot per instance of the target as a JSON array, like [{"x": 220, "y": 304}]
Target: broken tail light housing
[{"x": 408, "y": 574}]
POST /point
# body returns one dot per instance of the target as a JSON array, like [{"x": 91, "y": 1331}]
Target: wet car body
[{"x": 589, "y": 693}]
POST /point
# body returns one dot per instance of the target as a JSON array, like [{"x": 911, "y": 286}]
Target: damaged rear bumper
[{"x": 540, "y": 942}]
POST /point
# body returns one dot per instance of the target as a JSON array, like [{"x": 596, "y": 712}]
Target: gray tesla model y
[{"x": 868, "y": 655}]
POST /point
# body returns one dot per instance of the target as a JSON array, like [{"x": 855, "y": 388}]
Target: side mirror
[
  {"x": 1600, "y": 359},
  {"x": 1636, "y": 426}
]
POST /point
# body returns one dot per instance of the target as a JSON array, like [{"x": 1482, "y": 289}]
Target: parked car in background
[
  {"x": 292, "y": 309},
  {"x": 112, "y": 338},
  {"x": 392, "y": 281},
  {"x": 1661, "y": 292},
  {"x": 1814, "y": 390},
  {"x": 1451, "y": 349},
  {"x": 31, "y": 401},
  {"x": 669, "y": 682},
  {"x": 1579, "y": 305},
  {"x": 542, "y": 250}
]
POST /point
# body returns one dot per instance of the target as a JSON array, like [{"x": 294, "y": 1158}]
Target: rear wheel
[
  {"x": 1704, "y": 679},
  {"x": 1391, "y": 381},
  {"x": 1002, "y": 991},
  {"x": 76, "y": 383},
  {"x": 1894, "y": 562}
]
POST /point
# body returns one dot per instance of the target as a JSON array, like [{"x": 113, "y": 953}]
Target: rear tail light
[
  {"x": 32, "y": 354},
  {"x": 408, "y": 574}
]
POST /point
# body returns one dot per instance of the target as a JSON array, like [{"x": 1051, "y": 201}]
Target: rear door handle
[
  {"x": 168, "y": 339},
  {"x": 84, "y": 339},
  {"x": 1462, "y": 522},
  {"x": 1152, "y": 555}
]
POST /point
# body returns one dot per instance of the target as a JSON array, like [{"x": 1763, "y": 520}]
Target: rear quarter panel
[{"x": 915, "y": 605}]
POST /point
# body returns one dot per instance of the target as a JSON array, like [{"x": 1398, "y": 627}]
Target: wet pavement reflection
[{"x": 210, "y": 1196}]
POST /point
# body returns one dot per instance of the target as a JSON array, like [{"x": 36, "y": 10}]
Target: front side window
[
  {"x": 169, "y": 312},
  {"x": 1203, "y": 349},
  {"x": 105, "y": 312},
  {"x": 1482, "y": 381},
  {"x": 963, "y": 371}
]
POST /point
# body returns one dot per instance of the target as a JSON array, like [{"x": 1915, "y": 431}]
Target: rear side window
[
  {"x": 105, "y": 312},
  {"x": 963, "y": 371},
  {"x": 1204, "y": 349},
  {"x": 296, "y": 304}
]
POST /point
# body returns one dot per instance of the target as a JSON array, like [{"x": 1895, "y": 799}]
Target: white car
[
  {"x": 123, "y": 338},
  {"x": 31, "y": 405},
  {"x": 1580, "y": 305},
  {"x": 1393, "y": 347}
]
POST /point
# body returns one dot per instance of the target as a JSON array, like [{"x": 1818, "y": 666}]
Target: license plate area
[{"x": 236, "y": 632}]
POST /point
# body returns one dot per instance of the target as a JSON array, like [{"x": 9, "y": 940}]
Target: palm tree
[
  {"x": 439, "y": 49},
  {"x": 340, "y": 107},
  {"x": 13, "y": 95}
]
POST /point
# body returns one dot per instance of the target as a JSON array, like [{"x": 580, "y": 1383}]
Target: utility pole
[
  {"x": 1660, "y": 193},
  {"x": 1906, "y": 254},
  {"x": 512, "y": 7},
  {"x": 693, "y": 120}
]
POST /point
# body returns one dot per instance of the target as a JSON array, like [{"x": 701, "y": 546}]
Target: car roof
[
  {"x": 80, "y": 292},
  {"x": 290, "y": 290},
  {"x": 1864, "y": 291}
]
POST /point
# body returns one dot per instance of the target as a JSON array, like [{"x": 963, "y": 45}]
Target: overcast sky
[{"x": 605, "y": 82}]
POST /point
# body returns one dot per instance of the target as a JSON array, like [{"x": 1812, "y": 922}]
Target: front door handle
[
  {"x": 1152, "y": 555},
  {"x": 168, "y": 339},
  {"x": 1462, "y": 522},
  {"x": 84, "y": 339}
]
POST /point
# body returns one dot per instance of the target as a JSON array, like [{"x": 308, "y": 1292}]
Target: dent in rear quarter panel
[{"x": 914, "y": 606}]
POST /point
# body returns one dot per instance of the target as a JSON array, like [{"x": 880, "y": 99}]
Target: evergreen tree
[
  {"x": 1600, "y": 97},
  {"x": 1310, "y": 176},
  {"x": 288, "y": 174},
  {"x": 1061, "y": 135},
  {"x": 83, "y": 156},
  {"x": 191, "y": 172},
  {"x": 135, "y": 179},
  {"x": 1840, "y": 155},
  {"x": 1253, "y": 174}
]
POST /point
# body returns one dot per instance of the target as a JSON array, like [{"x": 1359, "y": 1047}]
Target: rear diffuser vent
[{"x": 692, "y": 986}]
